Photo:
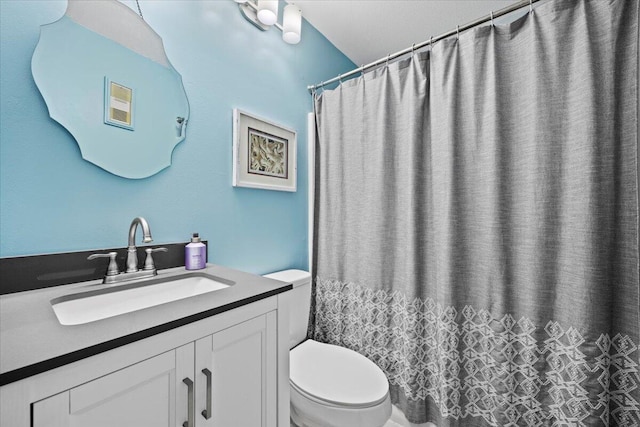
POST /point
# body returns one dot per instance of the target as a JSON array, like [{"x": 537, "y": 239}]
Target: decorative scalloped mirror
[{"x": 105, "y": 77}]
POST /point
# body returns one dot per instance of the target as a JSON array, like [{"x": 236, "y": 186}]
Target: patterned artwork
[
  {"x": 505, "y": 371},
  {"x": 264, "y": 154},
  {"x": 267, "y": 155}
]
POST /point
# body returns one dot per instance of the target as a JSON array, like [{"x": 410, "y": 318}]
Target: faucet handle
[
  {"x": 112, "y": 270},
  {"x": 148, "y": 262}
]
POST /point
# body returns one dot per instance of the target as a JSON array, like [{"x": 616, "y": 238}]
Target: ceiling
[{"x": 367, "y": 30}]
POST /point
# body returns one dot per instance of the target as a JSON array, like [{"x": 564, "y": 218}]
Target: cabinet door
[
  {"x": 242, "y": 362},
  {"x": 140, "y": 395}
]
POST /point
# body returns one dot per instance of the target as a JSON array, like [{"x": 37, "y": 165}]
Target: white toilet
[{"x": 331, "y": 386}]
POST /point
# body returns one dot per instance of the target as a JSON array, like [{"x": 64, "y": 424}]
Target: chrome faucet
[
  {"x": 132, "y": 272},
  {"x": 132, "y": 253}
]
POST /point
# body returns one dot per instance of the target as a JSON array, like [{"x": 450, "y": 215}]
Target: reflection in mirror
[{"x": 105, "y": 77}]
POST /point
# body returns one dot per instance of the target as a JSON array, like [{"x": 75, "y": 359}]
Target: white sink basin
[{"x": 100, "y": 304}]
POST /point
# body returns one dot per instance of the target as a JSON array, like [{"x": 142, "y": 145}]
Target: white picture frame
[
  {"x": 264, "y": 153},
  {"x": 118, "y": 104}
]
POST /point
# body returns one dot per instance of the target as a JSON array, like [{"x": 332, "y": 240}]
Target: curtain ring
[
  {"x": 530, "y": 6},
  {"x": 431, "y": 43},
  {"x": 340, "y": 78},
  {"x": 388, "y": 59},
  {"x": 413, "y": 48},
  {"x": 492, "y": 18},
  {"x": 458, "y": 32}
]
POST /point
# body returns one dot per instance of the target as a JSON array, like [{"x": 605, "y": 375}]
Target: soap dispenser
[{"x": 195, "y": 254}]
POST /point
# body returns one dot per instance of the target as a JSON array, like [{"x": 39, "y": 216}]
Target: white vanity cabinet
[
  {"x": 141, "y": 395},
  {"x": 228, "y": 370},
  {"x": 242, "y": 365}
]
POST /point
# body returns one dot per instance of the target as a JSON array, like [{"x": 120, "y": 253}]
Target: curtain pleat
[{"x": 476, "y": 229}]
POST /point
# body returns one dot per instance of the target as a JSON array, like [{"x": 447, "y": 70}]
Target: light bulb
[
  {"x": 292, "y": 24},
  {"x": 268, "y": 11}
]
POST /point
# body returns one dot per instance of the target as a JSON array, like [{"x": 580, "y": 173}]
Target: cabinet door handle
[
  {"x": 207, "y": 412},
  {"x": 191, "y": 405}
]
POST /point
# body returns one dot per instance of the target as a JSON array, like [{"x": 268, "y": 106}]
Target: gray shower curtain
[{"x": 476, "y": 230}]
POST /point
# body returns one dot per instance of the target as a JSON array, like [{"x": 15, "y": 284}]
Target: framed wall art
[
  {"x": 118, "y": 104},
  {"x": 264, "y": 153}
]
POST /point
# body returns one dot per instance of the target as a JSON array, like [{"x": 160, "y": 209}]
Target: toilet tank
[{"x": 300, "y": 302}]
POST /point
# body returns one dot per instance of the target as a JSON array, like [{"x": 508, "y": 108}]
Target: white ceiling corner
[{"x": 367, "y": 30}]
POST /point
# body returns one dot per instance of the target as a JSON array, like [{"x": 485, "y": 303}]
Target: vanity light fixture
[
  {"x": 268, "y": 11},
  {"x": 291, "y": 24},
  {"x": 263, "y": 14}
]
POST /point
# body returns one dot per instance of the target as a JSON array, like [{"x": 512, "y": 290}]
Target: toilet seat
[
  {"x": 336, "y": 376},
  {"x": 327, "y": 404},
  {"x": 332, "y": 386},
  {"x": 308, "y": 413}
]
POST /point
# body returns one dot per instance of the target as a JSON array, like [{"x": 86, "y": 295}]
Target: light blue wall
[{"x": 53, "y": 201}]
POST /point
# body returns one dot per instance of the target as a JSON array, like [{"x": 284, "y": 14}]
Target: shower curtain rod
[{"x": 458, "y": 30}]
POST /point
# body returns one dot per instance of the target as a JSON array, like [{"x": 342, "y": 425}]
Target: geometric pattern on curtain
[
  {"x": 472, "y": 364},
  {"x": 476, "y": 221}
]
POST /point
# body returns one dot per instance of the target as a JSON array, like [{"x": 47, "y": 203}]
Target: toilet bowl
[{"x": 331, "y": 386}]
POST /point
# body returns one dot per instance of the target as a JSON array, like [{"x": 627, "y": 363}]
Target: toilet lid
[{"x": 337, "y": 375}]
